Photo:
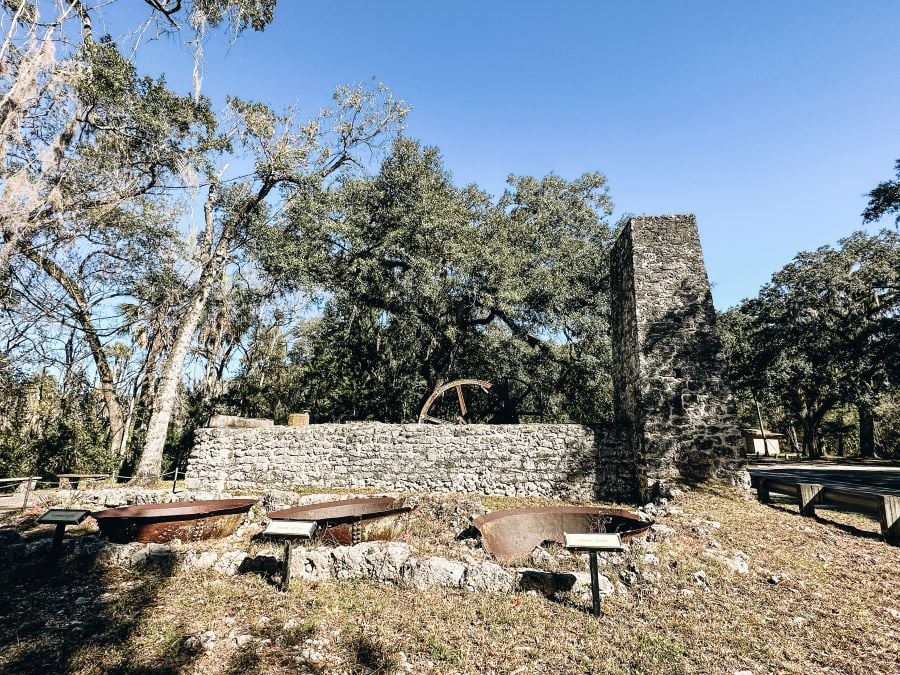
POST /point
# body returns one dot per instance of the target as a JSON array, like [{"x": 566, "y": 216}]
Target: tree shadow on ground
[
  {"x": 791, "y": 508},
  {"x": 79, "y": 615}
]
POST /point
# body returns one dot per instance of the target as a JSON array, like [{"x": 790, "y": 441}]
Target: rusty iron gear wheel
[{"x": 462, "y": 418}]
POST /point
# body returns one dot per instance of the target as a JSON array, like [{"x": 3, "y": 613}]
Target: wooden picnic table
[{"x": 66, "y": 479}]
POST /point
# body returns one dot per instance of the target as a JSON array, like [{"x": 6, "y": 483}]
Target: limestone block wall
[
  {"x": 674, "y": 416},
  {"x": 670, "y": 400},
  {"x": 566, "y": 461}
]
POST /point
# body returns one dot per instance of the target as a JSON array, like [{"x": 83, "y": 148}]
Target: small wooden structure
[{"x": 762, "y": 442}]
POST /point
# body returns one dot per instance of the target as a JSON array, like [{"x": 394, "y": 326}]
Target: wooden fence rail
[{"x": 886, "y": 508}]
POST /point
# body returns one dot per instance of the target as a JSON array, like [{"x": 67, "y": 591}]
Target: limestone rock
[
  {"x": 660, "y": 532},
  {"x": 202, "y": 561},
  {"x": 311, "y": 565},
  {"x": 438, "y": 572},
  {"x": 230, "y": 563},
  {"x": 386, "y": 562},
  {"x": 125, "y": 555},
  {"x": 540, "y": 557},
  {"x": 488, "y": 577}
]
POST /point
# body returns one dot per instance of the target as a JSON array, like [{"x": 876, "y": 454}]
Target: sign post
[
  {"x": 592, "y": 543},
  {"x": 288, "y": 530},
  {"x": 60, "y": 518}
]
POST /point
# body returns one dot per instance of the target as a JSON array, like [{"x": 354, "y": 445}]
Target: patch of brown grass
[{"x": 834, "y": 609}]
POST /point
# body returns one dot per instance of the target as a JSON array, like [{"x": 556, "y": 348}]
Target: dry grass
[{"x": 836, "y": 609}]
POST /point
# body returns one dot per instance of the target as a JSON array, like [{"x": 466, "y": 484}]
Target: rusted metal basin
[
  {"x": 350, "y": 521},
  {"x": 186, "y": 521},
  {"x": 513, "y": 534}
]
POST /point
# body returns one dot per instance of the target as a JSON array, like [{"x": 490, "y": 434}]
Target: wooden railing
[{"x": 884, "y": 507}]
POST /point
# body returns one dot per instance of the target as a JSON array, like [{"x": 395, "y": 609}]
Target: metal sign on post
[
  {"x": 289, "y": 530},
  {"x": 593, "y": 542},
  {"x": 61, "y": 518}
]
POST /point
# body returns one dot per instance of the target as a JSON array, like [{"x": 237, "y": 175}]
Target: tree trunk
[
  {"x": 866, "y": 430},
  {"x": 214, "y": 261},
  {"x": 104, "y": 371},
  {"x": 809, "y": 445},
  {"x": 150, "y": 465}
]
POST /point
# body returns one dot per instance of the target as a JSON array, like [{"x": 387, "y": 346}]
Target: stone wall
[
  {"x": 670, "y": 399},
  {"x": 674, "y": 416},
  {"x": 550, "y": 460}
]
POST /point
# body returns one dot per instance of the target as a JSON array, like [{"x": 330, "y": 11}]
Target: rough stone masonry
[
  {"x": 674, "y": 414},
  {"x": 669, "y": 398}
]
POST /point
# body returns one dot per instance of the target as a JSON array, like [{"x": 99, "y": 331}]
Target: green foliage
[
  {"x": 256, "y": 14},
  {"x": 824, "y": 332},
  {"x": 423, "y": 282},
  {"x": 50, "y": 427},
  {"x": 884, "y": 199}
]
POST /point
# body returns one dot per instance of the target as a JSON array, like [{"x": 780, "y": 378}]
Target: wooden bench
[
  {"x": 72, "y": 481},
  {"x": 884, "y": 507}
]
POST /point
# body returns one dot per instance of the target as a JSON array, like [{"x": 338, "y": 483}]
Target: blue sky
[{"x": 769, "y": 120}]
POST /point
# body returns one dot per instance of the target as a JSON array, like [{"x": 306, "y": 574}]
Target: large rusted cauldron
[
  {"x": 513, "y": 534},
  {"x": 351, "y": 521},
  {"x": 185, "y": 521}
]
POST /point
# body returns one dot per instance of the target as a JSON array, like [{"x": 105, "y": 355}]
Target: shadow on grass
[
  {"x": 787, "y": 507},
  {"x": 81, "y": 617}
]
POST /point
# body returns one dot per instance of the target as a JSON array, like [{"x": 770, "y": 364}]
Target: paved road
[{"x": 883, "y": 478}]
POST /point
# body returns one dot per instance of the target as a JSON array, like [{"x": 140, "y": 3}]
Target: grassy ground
[{"x": 821, "y": 596}]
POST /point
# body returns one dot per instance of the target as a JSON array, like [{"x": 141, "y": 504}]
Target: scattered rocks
[
  {"x": 201, "y": 642},
  {"x": 542, "y": 558},
  {"x": 197, "y": 560},
  {"x": 660, "y": 532},
  {"x": 628, "y": 577},
  {"x": 672, "y": 492},
  {"x": 737, "y": 562},
  {"x": 704, "y": 527},
  {"x": 699, "y": 577},
  {"x": 650, "y": 559}
]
